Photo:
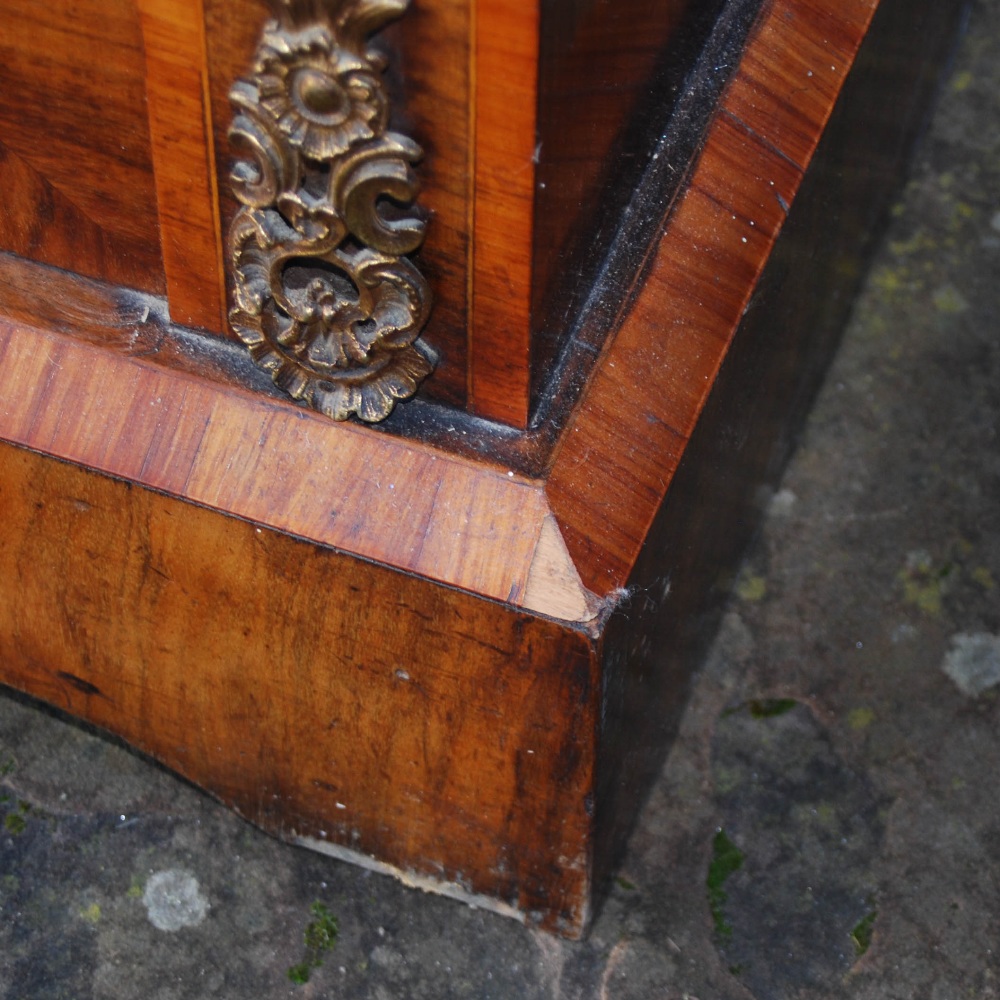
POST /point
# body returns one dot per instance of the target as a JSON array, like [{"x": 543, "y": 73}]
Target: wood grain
[
  {"x": 270, "y": 462},
  {"x": 75, "y": 160},
  {"x": 505, "y": 100},
  {"x": 98, "y": 375},
  {"x": 614, "y": 464},
  {"x": 430, "y": 97},
  {"x": 39, "y": 221},
  {"x": 320, "y": 696},
  {"x": 681, "y": 580},
  {"x": 120, "y": 393},
  {"x": 325, "y": 624},
  {"x": 792, "y": 73},
  {"x": 184, "y": 160}
]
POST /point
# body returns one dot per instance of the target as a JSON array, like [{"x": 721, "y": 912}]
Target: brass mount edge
[{"x": 324, "y": 295}]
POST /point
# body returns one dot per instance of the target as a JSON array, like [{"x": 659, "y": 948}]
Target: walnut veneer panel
[
  {"x": 329, "y": 701},
  {"x": 505, "y": 137},
  {"x": 120, "y": 395},
  {"x": 75, "y": 164},
  {"x": 184, "y": 161},
  {"x": 328, "y": 626}
]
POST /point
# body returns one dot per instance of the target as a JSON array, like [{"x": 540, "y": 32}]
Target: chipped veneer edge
[
  {"x": 553, "y": 586},
  {"x": 411, "y": 879}
]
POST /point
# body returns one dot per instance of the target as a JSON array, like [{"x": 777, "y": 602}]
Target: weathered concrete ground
[{"x": 828, "y": 822}]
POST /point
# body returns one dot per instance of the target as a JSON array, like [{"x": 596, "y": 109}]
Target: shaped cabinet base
[{"x": 449, "y": 658}]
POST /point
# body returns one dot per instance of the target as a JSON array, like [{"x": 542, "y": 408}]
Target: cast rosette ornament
[{"x": 325, "y": 297}]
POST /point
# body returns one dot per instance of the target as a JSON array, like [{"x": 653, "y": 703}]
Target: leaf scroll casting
[{"x": 325, "y": 298}]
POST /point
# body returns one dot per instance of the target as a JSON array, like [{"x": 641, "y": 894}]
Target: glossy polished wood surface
[
  {"x": 505, "y": 139},
  {"x": 75, "y": 163},
  {"x": 121, "y": 401},
  {"x": 603, "y": 66},
  {"x": 626, "y": 438},
  {"x": 416, "y": 723},
  {"x": 184, "y": 161},
  {"x": 419, "y": 652}
]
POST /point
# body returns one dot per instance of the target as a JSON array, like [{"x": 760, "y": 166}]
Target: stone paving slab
[{"x": 828, "y": 822}]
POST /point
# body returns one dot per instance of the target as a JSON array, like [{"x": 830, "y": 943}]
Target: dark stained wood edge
[
  {"x": 637, "y": 111},
  {"x": 615, "y": 460},
  {"x": 680, "y": 126},
  {"x": 659, "y": 633}
]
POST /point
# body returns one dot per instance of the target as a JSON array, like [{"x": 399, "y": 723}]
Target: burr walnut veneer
[{"x": 613, "y": 241}]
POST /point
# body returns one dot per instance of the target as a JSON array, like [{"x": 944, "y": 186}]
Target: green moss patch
[
  {"x": 767, "y": 708},
  {"x": 862, "y": 933},
  {"x": 726, "y": 859},
  {"x": 320, "y": 937},
  {"x": 16, "y": 822}
]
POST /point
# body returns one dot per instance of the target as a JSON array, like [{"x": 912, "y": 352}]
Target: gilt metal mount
[{"x": 325, "y": 298}]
